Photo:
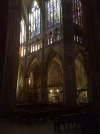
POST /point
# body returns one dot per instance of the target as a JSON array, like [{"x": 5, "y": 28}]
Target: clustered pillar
[
  {"x": 10, "y": 71},
  {"x": 44, "y": 92},
  {"x": 68, "y": 59},
  {"x": 93, "y": 34}
]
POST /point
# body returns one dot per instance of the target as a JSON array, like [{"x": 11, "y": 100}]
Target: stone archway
[
  {"x": 54, "y": 80},
  {"x": 81, "y": 78},
  {"x": 34, "y": 81}
]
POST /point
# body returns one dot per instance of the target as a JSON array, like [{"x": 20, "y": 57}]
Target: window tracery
[
  {"x": 77, "y": 12},
  {"x": 34, "y": 20},
  {"x": 22, "y": 31},
  {"x": 54, "y": 12}
]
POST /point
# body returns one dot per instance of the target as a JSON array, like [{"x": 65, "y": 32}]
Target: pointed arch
[
  {"x": 81, "y": 73},
  {"x": 34, "y": 73},
  {"x": 82, "y": 58},
  {"x": 34, "y": 61},
  {"x": 53, "y": 55},
  {"x": 54, "y": 78},
  {"x": 81, "y": 78}
]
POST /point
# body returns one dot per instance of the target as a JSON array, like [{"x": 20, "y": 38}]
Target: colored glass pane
[
  {"x": 34, "y": 20},
  {"x": 53, "y": 9},
  {"x": 58, "y": 11},
  {"x": 77, "y": 12},
  {"x": 22, "y": 31}
]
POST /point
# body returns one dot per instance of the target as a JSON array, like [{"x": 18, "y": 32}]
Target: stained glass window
[
  {"x": 34, "y": 20},
  {"x": 78, "y": 39},
  {"x": 53, "y": 9},
  {"x": 22, "y": 31},
  {"x": 77, "y": 12},
  {"x": 35, "y": 46},
  {"x": 50, "y": 38},
  {"x": 57, "y": 35}
]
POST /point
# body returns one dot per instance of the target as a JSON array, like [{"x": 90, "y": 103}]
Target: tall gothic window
[
  {"x": 53, "y": 11},
  {"x": 77, "y": 12},
  {"x": 22, "y": 31},
  {"x": 34, "y": 20}
]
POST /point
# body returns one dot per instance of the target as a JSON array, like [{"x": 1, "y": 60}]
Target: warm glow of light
[
  {"x": 22, "y": 52},
  {"x": 31, "y": 49},
  {"x": 36, "y": 48},
  {"x": 50, "y": 91},
  {"x": 41, "y": 44},
  {"x": 57, "y": 91},
  {"x": 29, "y": 81}
]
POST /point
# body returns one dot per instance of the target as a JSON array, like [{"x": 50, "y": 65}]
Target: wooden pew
[{"x": 66, "y": 119}]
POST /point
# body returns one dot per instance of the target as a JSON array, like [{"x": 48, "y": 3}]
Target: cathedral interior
[
  {"x": 41, "y": 53},
  {"x": 49, "y": 53}
]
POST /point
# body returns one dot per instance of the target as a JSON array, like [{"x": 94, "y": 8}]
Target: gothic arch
[
  {"x": 52, "y": 55},
  {"x": 82, "y": 58},
  {"x": 81, "y": 77},
  {"x": 34, "y": 74},
  {"x": 54, "y": 78},
  {"x": 33, "y": 60},
  {"x": 35, "y": 70}
]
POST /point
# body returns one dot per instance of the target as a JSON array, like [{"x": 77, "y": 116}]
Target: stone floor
[{"x": 7, "y": 127}]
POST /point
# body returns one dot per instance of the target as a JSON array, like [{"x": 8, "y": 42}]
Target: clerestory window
[{"x": 34, "y": 20}]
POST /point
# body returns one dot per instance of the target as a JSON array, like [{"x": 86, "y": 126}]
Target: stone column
[
  {"x": 85, "y": 12},
  {"x": 26, "y": 75},
  {"x": 8, "y": 92},
  {"x": 26, "y": 87},
  {"x": 3, "y": 27},
  {"x": 93, "y": 30},
  {"x": 69, "y": 63},
  {"x": 44, "y": 93}
]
